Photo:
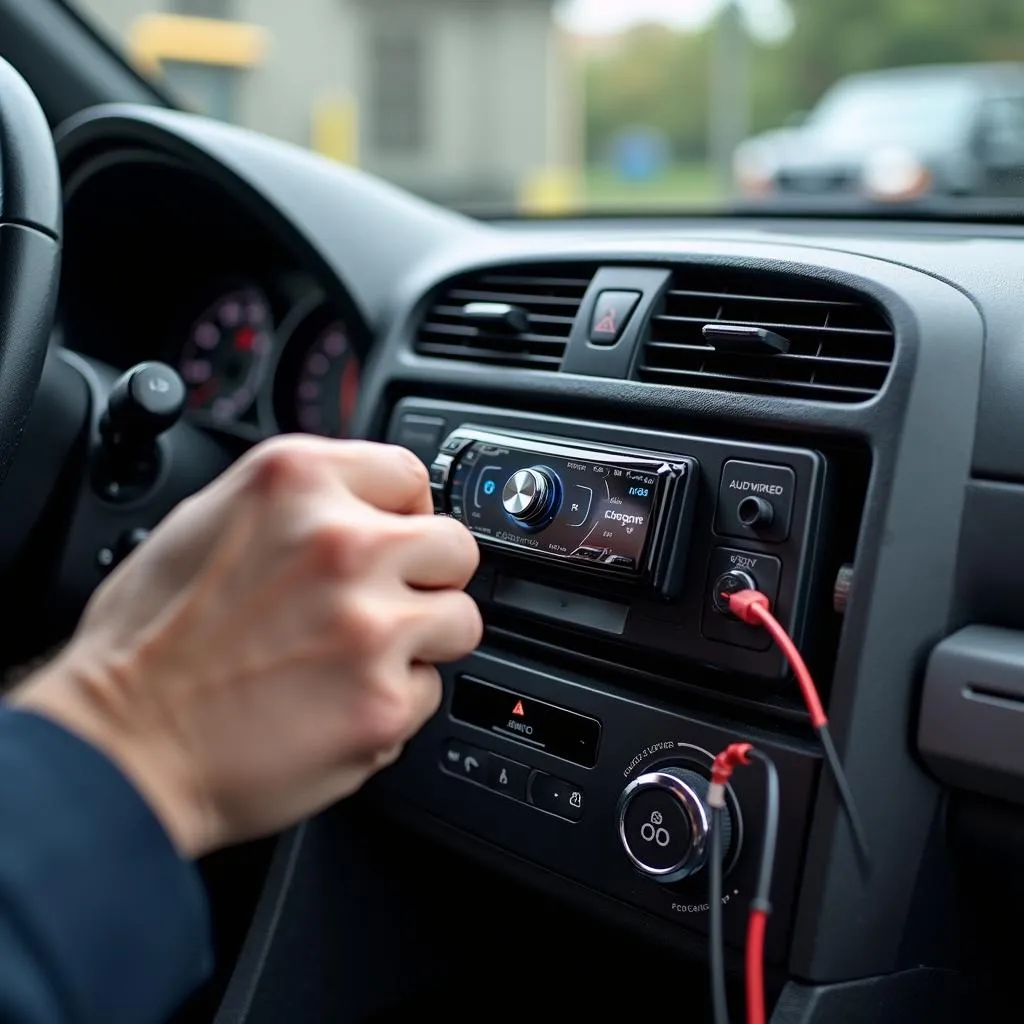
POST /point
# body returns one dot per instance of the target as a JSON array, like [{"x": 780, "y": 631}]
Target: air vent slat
[
  {"x": 479, "y": 295},
  {"x": 537, "y": 282},
  {"x": 484, "y": 355},
  {"x": 549, "y": 296},
  {"x": 455, "y": 312},
  {"x": 503, "y": 340},
  {"x": 788, "y": 357},
  {"x": 690, "y": 294},
  {"x": 877, "y": 332},
  {"x": 841, "y": 345}
]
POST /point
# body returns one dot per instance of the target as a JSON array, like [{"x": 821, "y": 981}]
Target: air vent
[
  {"x": 840, "y": 345},
  {"x": 517, "y": 317}
]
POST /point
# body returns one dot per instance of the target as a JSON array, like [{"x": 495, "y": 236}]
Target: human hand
[{"x": 272, "y": 644}]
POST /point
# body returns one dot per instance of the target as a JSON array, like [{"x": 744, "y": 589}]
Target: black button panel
[
  {"x": 535, "y": 723},
  {"x": 512, "y": 779},
  {"x": 755, "y": 500}
]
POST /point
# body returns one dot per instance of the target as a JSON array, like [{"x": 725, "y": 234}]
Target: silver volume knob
[
  {"x": 664, "y": 823},
  {"x": 528, "y": 495}
]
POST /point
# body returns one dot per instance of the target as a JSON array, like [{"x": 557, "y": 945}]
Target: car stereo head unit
[{"x": 608, "y": 511}]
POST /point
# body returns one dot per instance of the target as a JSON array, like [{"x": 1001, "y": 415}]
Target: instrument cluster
[
  {"x": 265, "y": 339},
  {"x": 274, "y": 366}
]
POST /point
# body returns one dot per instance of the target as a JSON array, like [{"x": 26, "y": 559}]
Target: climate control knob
[
  {"x": 665, "y": 823},
  {"x": 529, "y": 496}
]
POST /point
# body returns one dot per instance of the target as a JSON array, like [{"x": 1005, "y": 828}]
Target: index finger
[{"x": 385, "y": 476}]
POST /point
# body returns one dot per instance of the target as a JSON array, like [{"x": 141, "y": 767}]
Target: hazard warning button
[{"x": 611, "y": 314}]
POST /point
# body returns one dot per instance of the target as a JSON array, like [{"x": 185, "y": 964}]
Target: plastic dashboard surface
[{"x": 952, "y": 299}]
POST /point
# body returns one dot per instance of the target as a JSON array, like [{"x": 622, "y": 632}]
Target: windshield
[{"x": 552, "y": 107}]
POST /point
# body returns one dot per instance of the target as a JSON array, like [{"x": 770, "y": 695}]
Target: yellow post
[
  {"x": 335, "y": 128},
  {"x": 550, "y": 192}
]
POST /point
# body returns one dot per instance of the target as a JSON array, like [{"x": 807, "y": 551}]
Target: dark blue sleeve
[{"x": 100, "y": 919}]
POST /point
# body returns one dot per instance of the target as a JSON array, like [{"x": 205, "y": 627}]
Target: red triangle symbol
[
  {"x": 518, "y": 709},
  {"x": 606, "y": 325}
]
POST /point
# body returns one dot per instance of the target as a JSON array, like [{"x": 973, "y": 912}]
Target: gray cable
[{"x": 716, "y": 940}]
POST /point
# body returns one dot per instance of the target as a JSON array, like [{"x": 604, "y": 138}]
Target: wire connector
[
  {"x": 743, "y": 602},
  {"x": 728, "y": 761}
]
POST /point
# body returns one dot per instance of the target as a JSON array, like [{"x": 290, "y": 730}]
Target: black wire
[
  {"x": 846, "y": 799},
  {"x": 770, "y": 839},
  {"x": 716, "y": 939}
]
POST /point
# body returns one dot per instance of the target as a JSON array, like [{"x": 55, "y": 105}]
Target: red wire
[
  {"x": 756, "y": 924},
  {"x": 789, "y": 650}
]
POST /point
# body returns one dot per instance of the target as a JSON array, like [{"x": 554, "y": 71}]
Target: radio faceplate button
[
  {"x": 579, "y": 503},
  {"x": 439, "y": 471},
  {"x": 755, "y": 500},
  {"x": 590, "y": 554},
  {"x": 455, "y": 443},
  {"x": 622, "y": 561}
]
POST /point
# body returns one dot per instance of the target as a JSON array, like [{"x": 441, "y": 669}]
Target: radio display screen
[
  {"x": 585, "y": 510},
  {"x": 535, "y": 723}
]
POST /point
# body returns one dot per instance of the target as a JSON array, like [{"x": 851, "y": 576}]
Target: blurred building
[{"x": 464, "y": 101}]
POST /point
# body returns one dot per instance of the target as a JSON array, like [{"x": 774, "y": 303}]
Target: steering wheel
[{"x": 30, "y": 223}]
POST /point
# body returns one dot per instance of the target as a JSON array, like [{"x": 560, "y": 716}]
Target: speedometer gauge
[{"x": 225, "y": 355}]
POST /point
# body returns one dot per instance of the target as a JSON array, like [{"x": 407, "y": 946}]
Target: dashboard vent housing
[
  {"x": 544, "y": 301},
  {"x": 841, "y": 345}
]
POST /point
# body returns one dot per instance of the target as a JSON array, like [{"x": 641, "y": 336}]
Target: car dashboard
[{"x": 635, "y": 418}]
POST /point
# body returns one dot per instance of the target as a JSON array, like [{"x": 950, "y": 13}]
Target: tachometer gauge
[
  {"x": 328, "y": 384},
  {"x": 316, "y": 385},
  {"x": 226, "y": 354}
]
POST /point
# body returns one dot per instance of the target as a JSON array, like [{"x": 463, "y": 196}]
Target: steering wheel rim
[{"x": 30, "y": 226}]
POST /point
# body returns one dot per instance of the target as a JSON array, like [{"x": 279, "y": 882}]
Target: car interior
[{"x": 638, "y": 417}]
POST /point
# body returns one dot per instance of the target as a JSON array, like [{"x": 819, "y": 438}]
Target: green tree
[{"x": 652, "y": 77}]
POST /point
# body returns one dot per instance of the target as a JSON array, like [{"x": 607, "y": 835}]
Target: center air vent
[
  {"x": 839, "y": 346},
  {"x": 519, "y": 317}
]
